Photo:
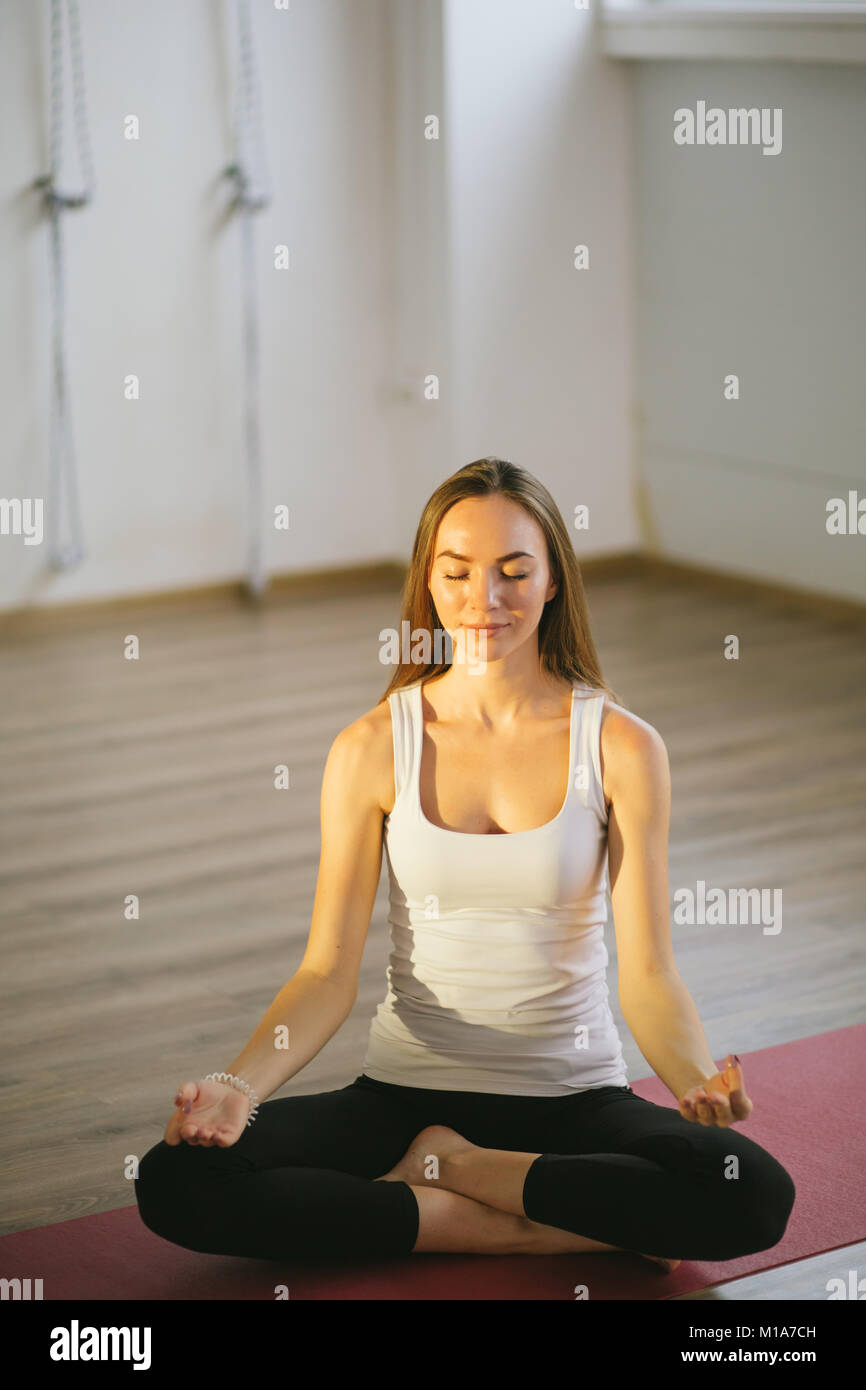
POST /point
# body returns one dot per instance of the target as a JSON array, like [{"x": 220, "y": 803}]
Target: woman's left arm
[{"x": 655, "y": 1002}]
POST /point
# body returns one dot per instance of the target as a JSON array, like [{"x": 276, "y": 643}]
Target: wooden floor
[{"x": 155, "y": 777}]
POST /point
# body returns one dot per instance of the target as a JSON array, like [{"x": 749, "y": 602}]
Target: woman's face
[{"x": 490, "y": 570}]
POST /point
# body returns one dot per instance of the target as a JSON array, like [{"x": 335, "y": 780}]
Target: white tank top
[{"x": 497, "y": 972}]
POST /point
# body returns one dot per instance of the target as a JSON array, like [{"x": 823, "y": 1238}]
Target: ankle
[
  {"x": 454, "y": 1162},
  {"x": 449, "y": 1222}
]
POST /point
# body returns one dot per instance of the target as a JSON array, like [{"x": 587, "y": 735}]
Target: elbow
[{"x": 633, "y": 986}]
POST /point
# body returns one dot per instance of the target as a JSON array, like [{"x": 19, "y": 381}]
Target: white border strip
[{"x": 814, "y": 33}]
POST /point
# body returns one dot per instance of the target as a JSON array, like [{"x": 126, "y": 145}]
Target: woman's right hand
[{"x": 208, "y": 1113}]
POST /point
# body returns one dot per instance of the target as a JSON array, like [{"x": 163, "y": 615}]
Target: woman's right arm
[{"x": 321, "y": 994}]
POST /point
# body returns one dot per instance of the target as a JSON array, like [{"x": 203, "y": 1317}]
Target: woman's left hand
[{"x": 719, "y": 1101}]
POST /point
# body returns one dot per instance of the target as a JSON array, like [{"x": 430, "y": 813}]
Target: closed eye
[{"x": 505, "y": 576}]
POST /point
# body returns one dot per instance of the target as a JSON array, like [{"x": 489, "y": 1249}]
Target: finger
[
  {"x": 171, "y": 1134},
  {"x": 705, "y": 1110},
  {"x": 721, "y": 1109},
  {"x": 733, "y": 1071},
  {"x": 187, "y": 1095}
]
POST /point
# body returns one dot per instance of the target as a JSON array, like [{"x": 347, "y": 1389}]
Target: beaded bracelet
[{"x": 238, "y": 1085}]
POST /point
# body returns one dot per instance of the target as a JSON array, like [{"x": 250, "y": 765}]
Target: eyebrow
[{"x": 503, "y": 559}]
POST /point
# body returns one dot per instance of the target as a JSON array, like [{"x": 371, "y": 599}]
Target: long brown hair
[{"x": 565, "y": 644}]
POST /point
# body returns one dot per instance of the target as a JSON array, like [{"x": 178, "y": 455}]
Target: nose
[{"x": 484, "y": 595}]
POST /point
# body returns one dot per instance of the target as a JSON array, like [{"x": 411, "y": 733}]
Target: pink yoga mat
[{"x": 809, "y": 1113}]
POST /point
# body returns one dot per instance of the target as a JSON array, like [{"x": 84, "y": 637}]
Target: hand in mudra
[
  {"x": 208, "y": 1113},
  {"x": 719, "y": 1101}
]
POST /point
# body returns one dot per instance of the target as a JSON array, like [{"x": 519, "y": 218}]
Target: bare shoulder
[
  {"x": 633, "y": 753},
  {"x": 364, "y": 749}
]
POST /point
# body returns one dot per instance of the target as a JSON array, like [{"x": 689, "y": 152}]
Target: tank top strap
[
  {"x": 590, "y": 703},
  {"x": 405, "y": 705}
]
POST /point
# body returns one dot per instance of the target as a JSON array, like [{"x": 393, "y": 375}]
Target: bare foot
[
  {"x": 435, "y": 1140},
  {"x": 441, "y": 1141}
]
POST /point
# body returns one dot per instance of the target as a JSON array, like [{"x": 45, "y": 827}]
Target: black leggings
[{"x": 613, "y": 1167}]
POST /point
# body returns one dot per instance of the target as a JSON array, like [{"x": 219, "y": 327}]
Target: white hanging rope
[
  {"x": 249, "y": 173},
  {"x": 62, "y": 467}
]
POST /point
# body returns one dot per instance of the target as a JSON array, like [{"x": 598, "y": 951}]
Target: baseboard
[{"x": 388, "y": 576}]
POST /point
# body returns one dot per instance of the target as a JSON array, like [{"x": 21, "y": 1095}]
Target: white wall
[
  {"x": 409, "y": 257},
  {"x": 753, "y": 264},
  {"x": 153, "y": 288},
  {"x": 539, "y": 162}
]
